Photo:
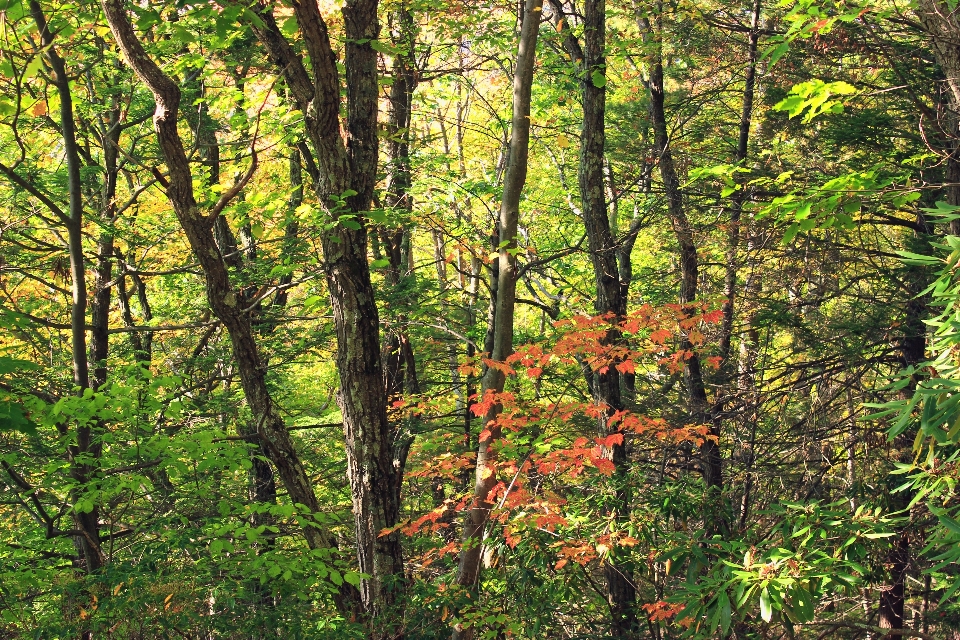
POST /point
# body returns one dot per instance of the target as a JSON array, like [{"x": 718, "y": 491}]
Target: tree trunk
[
  {"x": 399, "y": 361},
  {"x": 493, "y": 381},
  {"x": 611, "y": 292},
  {"x": 715, "y": 518},
  {"x": 86, "y": 450},
  {"x": 347, "y": 175},
  {"x": 221, "y": 296}
]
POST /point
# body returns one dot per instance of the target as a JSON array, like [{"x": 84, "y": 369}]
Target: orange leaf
[
  {"x": 627, "y": 366},
  {"x": 660, "y": 336}
]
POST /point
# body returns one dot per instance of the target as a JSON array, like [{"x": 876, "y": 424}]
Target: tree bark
[
  {"x": 221, "y": 296},
  {"x": 399, "y": 360},
  {"x": 86, "y": 447}
]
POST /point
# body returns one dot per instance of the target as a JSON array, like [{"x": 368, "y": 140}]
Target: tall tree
[
  {"x": 347, "y": 177},
  {"x": 611, "y": 299},
  {"x": 221, "y": 294},
  {"x": 697, "y": 402},
  {"x": 478, "y": 513}
]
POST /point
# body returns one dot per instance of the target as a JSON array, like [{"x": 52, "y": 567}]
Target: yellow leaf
[
  {"x": 562, "y": 141},
  {"x": 116, "y": 589}
]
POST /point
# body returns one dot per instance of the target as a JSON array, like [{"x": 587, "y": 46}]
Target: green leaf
[
  {"x": 777, "y": 52},
  {"x": 12, "y": 365},
  {"x": 949, "y": 594},
  {"x": 803, "y": 605},
  {"x": 380, "y": 264},
  {"x": 791, "y": 232},
  {"x": 949, "y": 522},
  {"x": 181, "y": 34},
  {"x": 378, "y": 216},
  {"x": 766, "y": 609},
  {"x": 599, "y": 79},
  {"x": 725, "y": 612},
  {"x": 289, "y": 27},
  {"x": 12, "y": 418},
  {"x": 383, "y": 47},
  {"x": 33, "y": 67}
]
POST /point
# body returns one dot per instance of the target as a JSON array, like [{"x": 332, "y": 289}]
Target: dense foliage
[{"x": 429, "y": 319}]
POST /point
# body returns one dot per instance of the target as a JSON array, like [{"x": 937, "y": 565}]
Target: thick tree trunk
[
  {"x": 343, "y": 169},
  {"x": 478, "y": 513}
]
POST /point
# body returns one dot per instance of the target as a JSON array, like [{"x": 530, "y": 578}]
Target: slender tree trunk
[
  {"x": 913, "y": 344},
  {"x": 611, "y": 293},
  {"x": 728, "y": 374},
  {"x": 736, "y": 207},
  {"x": 109, "y": 134},
  {"x": 478, "y": 513},
  {"x": 86, "y": 450},
  {"x": 698, "y": 407},
  {"x": 222, "y": 297},
  {"x": 399, "y": 361}
]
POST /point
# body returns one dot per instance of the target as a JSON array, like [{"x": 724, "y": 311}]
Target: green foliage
[
  {"x": 815, "y": 97},
  {"x": 812, "y": 552}
]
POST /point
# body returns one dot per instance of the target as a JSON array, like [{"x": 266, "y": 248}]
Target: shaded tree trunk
[
  {"x": 347, "y": 174},
  {"x": 611, "y": 292},
  {"x": 84, "y": 453},
  {"x": 221, "y": 296},
  {"x": 697, "y": 404}
]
